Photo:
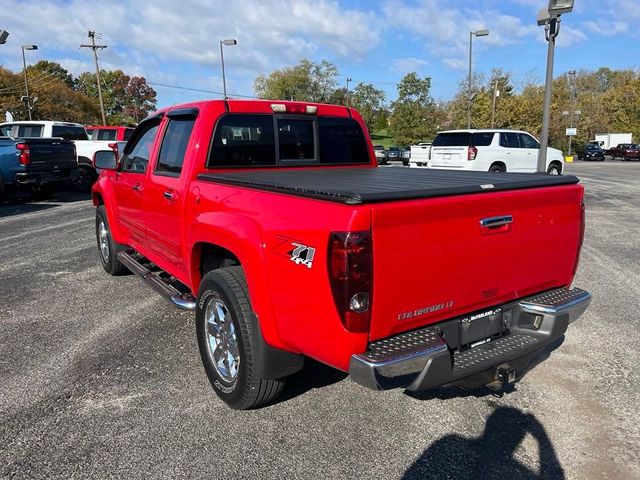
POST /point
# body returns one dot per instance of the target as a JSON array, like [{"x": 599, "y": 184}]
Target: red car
[
  {"x": 272, "y": 221},
  {"x": 108, "y": 132},
  {"x": 625, "y": 151}
]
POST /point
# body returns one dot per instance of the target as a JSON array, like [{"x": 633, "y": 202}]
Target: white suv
[{"x": 491, "y": 151}]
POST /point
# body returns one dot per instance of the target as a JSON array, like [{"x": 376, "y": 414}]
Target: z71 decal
[{"x": 302, "y": 254}]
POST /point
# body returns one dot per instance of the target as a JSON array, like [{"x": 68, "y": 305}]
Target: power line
[{"x": 177, "y": 87}]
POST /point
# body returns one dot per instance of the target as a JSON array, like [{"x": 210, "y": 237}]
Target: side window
[
  {"x": 136, "y": 158},
  {"x": 127, "y": 133},
  {"x": 296, "y": 139},
  {"x": 509, "y": 140},
  {"x": 482, "y": 139},
  {"x": 243, "y": 141},
  {"x": 527, "y": 141},
  {"x": 174, "y": 145}
]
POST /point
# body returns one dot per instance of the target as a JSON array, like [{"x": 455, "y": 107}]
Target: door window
[
  {"x": 509, "y": 140},
  {"x": 527, "y": 141},
  {"x": 174, "y": 145},
  {"x": 136, "y": 157}
]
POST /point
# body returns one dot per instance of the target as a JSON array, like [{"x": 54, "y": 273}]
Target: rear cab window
[
  {"x": 262, "y": 140},
  {"x": 69, "y": 132}
]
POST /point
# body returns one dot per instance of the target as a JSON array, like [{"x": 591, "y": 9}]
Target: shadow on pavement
[
  {"x": 313, "y": 375},
  {"x": 17, "y": 203},
  {"x": 491, "y": 455}
]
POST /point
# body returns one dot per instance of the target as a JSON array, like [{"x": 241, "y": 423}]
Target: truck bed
[{"x": 356, "y": 186}]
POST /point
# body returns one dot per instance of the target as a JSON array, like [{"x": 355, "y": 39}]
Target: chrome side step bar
[{"x": 181, "y": 300}]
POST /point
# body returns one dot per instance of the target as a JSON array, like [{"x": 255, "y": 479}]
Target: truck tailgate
[
  {"x": 50, "y": 153},
  {"x": 434, "y": 260}
]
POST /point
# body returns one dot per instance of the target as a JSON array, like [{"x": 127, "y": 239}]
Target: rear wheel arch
[{"x": 498, "y": 166}]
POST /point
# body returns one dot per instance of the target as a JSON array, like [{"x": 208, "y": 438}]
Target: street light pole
[
  {"x": 477, "y": 33},
  {"x": 347, "y": 94},
  {"x": 550, "y": 18},
  {"x": 551, "y": 32},
  {"x": 26, "y": 79},
  {"x": 228, "y": 42}
]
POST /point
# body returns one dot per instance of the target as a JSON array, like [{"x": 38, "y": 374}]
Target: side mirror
[{"x": 105, "y": 160}]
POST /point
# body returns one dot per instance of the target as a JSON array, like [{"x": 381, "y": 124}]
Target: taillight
[
  {"x": 350, "y": 263},
  {"x": 472, "y": 153},
  {"x": 580, "y": 237},
  {"x": 24, "y": 157}
]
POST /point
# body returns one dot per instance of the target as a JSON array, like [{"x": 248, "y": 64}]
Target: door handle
[
  {"x": 168, "y": 195},
  {"x": 494, "y": 222},
  {"x": 137, "y": 187}
]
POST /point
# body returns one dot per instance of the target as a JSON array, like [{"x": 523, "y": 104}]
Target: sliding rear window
[
  {"x": 286, "y": 140},
  {"x": 463, "y": 139}
]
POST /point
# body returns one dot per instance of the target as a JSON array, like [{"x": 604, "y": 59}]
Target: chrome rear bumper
[{"x": 424, "y": 358}]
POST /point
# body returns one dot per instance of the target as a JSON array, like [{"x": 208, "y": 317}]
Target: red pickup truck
[{"x": 274, "y": 223}]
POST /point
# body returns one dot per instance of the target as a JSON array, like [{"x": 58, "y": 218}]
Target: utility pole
[
  {"x": 95, "y": 48},
  {"x": 347, "y": 94},
  {"x": 496, "y": 93},
  {"x": 572, "y": 97}
]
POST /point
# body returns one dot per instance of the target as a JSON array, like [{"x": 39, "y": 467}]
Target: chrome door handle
[
  {"x": 493, "y": 222},
  {"x": 137, "y": 187},
  {"x": 168, "y": 195}
]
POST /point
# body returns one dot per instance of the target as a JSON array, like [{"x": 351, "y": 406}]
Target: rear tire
[
  {"x": 224, "y": 327},
  {"x": 107, "y": 248},
  {"x": 85, "y": 178},
  {"x": 498, "y": 167}
]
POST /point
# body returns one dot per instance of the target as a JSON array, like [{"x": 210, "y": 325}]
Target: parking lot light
[
  {"x": 559, "y": 7},
  {"x": 477, "y": 33},
  {"x": 27, "y": 100},
  {"x": 550, "y": 19},
  {"x": 3, "y": 36},
  {"x": 228, "y": 42}
]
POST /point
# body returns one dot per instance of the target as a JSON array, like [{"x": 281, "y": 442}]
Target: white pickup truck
[
  {"x": 85, "y": 148},
  {"x": 420, "y": 154}
]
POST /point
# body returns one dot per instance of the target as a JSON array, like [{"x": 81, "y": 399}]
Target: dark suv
[{"x": 593, "y": 152}]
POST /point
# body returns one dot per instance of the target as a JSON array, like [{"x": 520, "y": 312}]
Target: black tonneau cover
[{"x": 356, "y": 186}]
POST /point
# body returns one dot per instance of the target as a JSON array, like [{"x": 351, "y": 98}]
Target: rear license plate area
[{"x": 480, "y": 328}]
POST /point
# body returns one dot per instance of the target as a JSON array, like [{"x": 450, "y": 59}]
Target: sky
[{"x": 175, "y": 44}]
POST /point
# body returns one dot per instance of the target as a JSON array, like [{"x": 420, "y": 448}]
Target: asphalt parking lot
[{"x": 101, "y": 378}]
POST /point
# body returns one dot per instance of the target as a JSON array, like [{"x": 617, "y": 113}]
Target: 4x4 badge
[{"x": 302, "y": 254}]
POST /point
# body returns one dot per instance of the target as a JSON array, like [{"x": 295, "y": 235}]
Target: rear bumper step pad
[
  {"x": 422, "y": 359},
  {"x": 162, "y": 285}
]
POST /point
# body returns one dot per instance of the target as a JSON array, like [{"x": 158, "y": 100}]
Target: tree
[
  {"x": 307, "y": 81},
  {"x": 141, "y": 99},
  {"x": 126, "y": 99},
  {"x": 53, "y": 70},
  {"x": 369, "y": 101},
  {"x": 414, "y": 115}
]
